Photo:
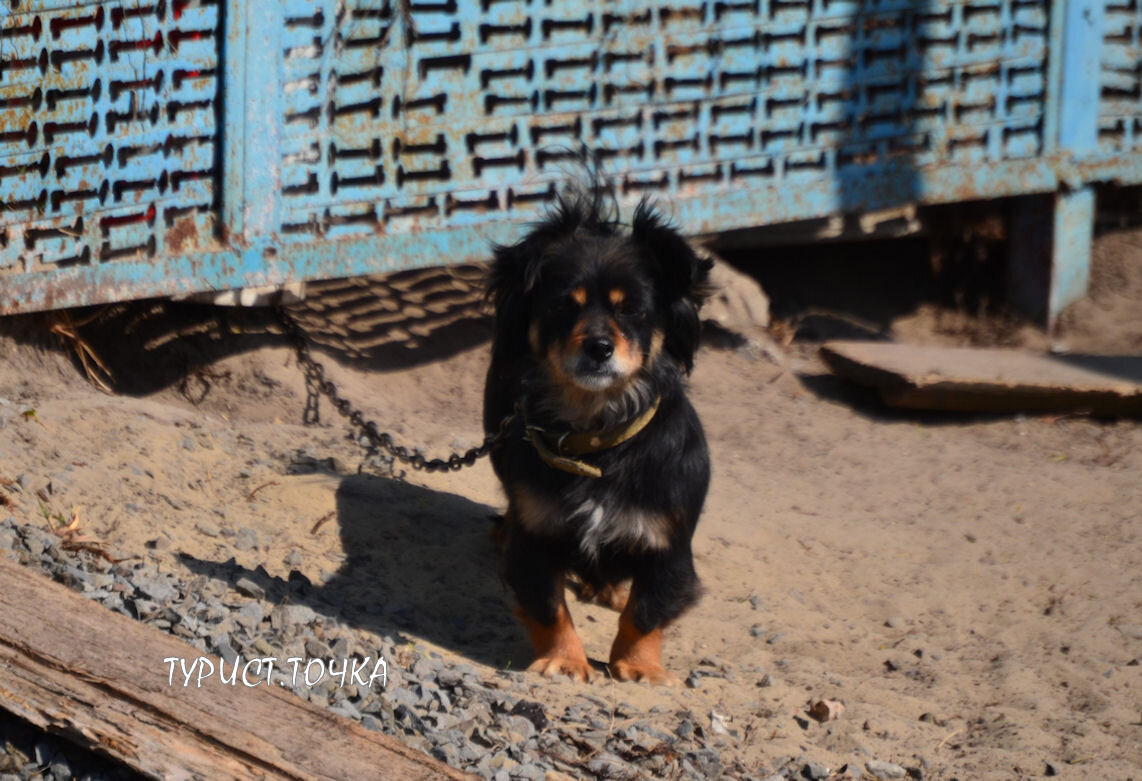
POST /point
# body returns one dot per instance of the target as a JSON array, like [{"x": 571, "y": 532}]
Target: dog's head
[{"x": 594, "y": 303}]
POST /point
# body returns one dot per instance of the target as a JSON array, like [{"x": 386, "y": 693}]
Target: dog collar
[{"x": 558, "y": 451}]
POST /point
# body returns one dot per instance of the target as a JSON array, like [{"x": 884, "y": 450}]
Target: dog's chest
[{"x": 596, "y": 520}]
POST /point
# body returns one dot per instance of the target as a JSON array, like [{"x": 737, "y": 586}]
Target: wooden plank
[
  {"x": 72, "y": 667},
  {"x": 990, "y": 380}
]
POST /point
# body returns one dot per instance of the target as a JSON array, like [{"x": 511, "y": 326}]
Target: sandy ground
[{"x": 970, "y": 588}]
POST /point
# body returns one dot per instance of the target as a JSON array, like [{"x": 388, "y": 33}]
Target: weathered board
[
  {"x": 69, "y": 666},
  {"x": 990, "y": 380}
]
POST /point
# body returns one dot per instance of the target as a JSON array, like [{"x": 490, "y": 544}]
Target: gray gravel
[
  {"x": 885, "y": 770},
  {"x": 26, "y": 753},
  {"x": 486, "y": 726}
]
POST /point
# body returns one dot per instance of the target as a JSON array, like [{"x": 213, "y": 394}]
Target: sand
[{"x": 969, "y": 587}]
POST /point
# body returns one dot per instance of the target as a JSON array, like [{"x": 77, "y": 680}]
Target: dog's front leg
[
  {"x": 538, "y": 584},
  {"x": 660, "y": 592}
]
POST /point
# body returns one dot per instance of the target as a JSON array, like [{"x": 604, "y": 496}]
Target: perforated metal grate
[
  {"x": 151, "y": 147},
  {"x": 108, "y": 132},
  {"x": 467, "y": 112},
  {"x": 1120, "y": 107}
]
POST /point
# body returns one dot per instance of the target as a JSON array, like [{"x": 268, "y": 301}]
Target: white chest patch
[
  {"x": 629, "y": 528},
  {"x": 595, "y": 524}
]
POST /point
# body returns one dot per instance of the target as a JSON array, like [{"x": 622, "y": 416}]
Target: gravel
[
  {"x": 27, "y": 753},
  {"x": 479, "y": 723},
  {"x": 885, "y": 770},
  {"x": 249, "y": 588},
  {"x": 815, "y": 770}
]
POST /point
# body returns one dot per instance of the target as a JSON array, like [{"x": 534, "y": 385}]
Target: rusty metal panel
[
  {"x": 107, "y": 135},
  {"x": 459, "y": 113},
  {"x": 151, "y": 147},
  {"x": 1117, "y": 157}
]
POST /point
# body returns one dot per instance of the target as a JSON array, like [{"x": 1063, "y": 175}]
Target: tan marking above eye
[
  {"x": 579, "y": 296},
  {"x": 617, "y": 296}
]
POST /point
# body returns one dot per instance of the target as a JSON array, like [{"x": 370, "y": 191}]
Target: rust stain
[{"x": 183, "y": 235}]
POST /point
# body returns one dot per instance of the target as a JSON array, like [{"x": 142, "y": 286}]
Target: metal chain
[{"x": 315, "y": 377}]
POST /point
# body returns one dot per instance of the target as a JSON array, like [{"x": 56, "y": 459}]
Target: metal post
[
  {"x": 1049, "y": 264},
  {"x": 1073, "y": 223},
  {"x": 252, "y": 95}
]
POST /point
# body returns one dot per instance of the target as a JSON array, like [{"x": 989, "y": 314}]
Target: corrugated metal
[{"x": 153, "y": 147}]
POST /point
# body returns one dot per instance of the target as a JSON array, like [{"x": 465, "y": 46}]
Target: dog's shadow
[{"x": 418, "y": 562}]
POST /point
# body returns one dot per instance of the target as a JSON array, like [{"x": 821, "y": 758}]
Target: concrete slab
[{"x": 990, "y": 380}]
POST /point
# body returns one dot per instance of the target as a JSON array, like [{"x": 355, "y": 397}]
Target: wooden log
[
  {"x": 990, "y": 380},
  {"x": 72, "y": 667}
]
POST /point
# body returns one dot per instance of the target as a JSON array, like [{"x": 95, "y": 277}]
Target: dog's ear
[
  {"x": 682, "y": 280},
  {"x": 512, "y": 276}
]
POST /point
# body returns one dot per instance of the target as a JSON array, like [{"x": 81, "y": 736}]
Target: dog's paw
[
  {"x": 656, "y": 674},
  {"x": 576, "y": 669}
]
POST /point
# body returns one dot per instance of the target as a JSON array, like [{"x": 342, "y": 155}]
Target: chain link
[{"x": 315, "y": 378}]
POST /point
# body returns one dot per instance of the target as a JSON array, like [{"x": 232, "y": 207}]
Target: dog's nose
[{"x": 599, "y": 348}]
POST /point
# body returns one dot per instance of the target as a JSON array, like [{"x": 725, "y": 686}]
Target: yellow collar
[{"x": 557, "y": 451}]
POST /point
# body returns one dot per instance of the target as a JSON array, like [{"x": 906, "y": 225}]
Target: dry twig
[
  {"x": 67, "y": 329},
  {"x": 71, "y": 540},
  {"x": 321, "y": 521},
  {"x": 250, "y": 496},
  {"x": 948, "y": 737}
]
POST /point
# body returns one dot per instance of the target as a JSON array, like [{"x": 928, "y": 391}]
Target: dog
[{"x": 604, "y": 464}]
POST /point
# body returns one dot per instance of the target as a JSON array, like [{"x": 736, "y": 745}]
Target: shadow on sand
[
  {"x": 417, "y": 561},
  {"x": 378, "y": 323}
]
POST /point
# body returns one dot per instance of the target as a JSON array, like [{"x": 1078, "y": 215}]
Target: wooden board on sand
[
  {"x": 70, "y": 666},
  {"x": 990, "y": 380}
]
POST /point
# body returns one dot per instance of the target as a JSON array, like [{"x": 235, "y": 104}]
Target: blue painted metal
[
  {"x": 1073, "y": 229},
  {"x": 246, "y": 267},
  {"x": 107, "y": 138},
  {"x": 261, "y": 133},
  {"x": 273, "y": 140},
  {"x": 1051, "y": 236},
  {"x": 232, "y": 61},
  {"x": 1119, "y": 115},
  {"x": 1079, "y": 96},
  {"x": 1080, "y": 91}
]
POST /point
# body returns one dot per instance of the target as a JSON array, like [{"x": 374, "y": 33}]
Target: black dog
[{"x": 606, "y": 468}]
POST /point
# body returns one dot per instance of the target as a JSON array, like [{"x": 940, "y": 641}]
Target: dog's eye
[
  {"x": 622, "y": 303},
  {"x": 630, "y": 309}
]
